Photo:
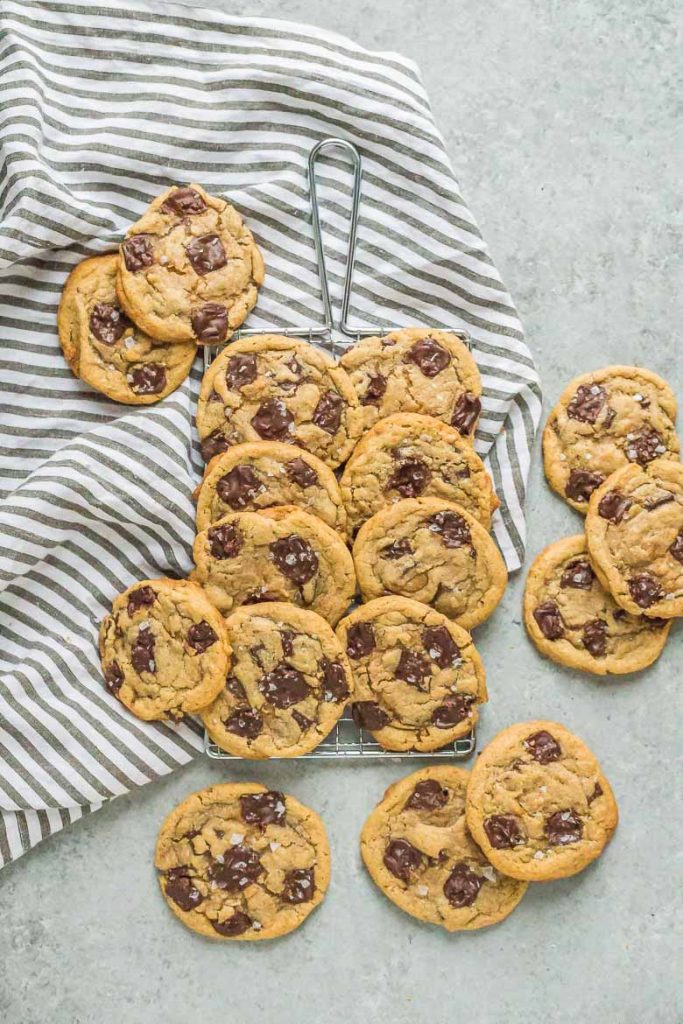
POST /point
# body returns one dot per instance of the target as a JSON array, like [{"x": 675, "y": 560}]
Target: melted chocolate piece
[
  {"x": 453, "y": 710},
  {"x": 142, "y": 597},
  {"x": 367, "y": 714},
  {"x": 335, "y": 684},
  {"x": 224, "y": 541},
  {"x": 645, "y": 590},
  {"x": 295, "y": 558},
  {"x": 563, "y": 827},
  {"x": 428, "y": 795},
  {"x": 108, "y": 323},
  {"x": 410, "y": 478},
  {"x": 234, "y": 686},
  {"x": 148, "y": 379},
  {"x": 549, "y": 620},
  {"x": 262, "y": 596},
  {"x": 610, "y": 417},
  {"x": 402, "y": 858},
  {"x": 645, "y": 447},
  {"x": 581, "y": 484},
  {"x": 181, "y": 889},
  {"x": 287, "y": 641},
  {"x": 273, "y": 420},
  {"x": 183, "y": 202},
  {"x": 214, "y": 444},
  {"x": 440, "y": 646},
  {"x": 245, "y": 722},
  {"x": 360, "y": 640},
  {"x": 328, "y": 412},
  {"x": 676, "y": 548},
  {"x": 377, "y": 385},
  {"x": 466, "y": 413},
  {"x": 263, "y": 808},
  {"x": 614, "y": 506},
  {"x": 240, "y": 866},
  {"x": 595, "y": 638},
  {"x": 413, "y": 669},
  {"x": 598, "y": 791},
  {"x": 201, "y": 636},
  {"x": 462, "y": 886},
  {"x": 239, "y": 487},
  {"x": 301, "y": 474},
  {"x": 578, "y": 575},
  {"x": 210, "y": 323},
  {"x": 206, "y": 254},
  {"x": 452, "y": 528},
  {"x": 138, "y": 252},
  {"x": 241, "y": 370},
  {"x": 429, "y": 356},
  {"x": 142, "y": 652},
  {"x": 657, "y": 500},
  {"x": 503, "y": 831},
  {"x": 299, "y": 886},
  {"x": 301, "y": 720},
  {"x": 543, "y": 747},
  {"x": 399, "y": 549},
  {"x": 113, "y": 678},
  {"x": 284, "y": 686},
  {"x": 587, "y": 403},
  {"x": 238, "y": 924}
]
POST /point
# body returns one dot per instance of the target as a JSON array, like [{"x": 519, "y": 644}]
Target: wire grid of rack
[{"x": 346, "y": 740}]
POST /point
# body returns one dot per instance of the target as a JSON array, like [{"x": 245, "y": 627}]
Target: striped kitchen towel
[{"x": 101, "y": 108}]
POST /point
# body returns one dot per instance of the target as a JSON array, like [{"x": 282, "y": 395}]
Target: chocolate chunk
[
  {"x": 549, "y": 620},
  {"x": 429, "y": 357},
  {"x": 284, "y": 686},
  {"x": 410, "y": 478},
  {"x": 224, "y": 541},
  {"x": 245, "y": 722},
  {"x": 206, "y": 254},
  {"x": 108, "y": 323},
  {"x": 610, "y": 416},
  {"x": 597, "y": 791},
  {"x": 142, "y": 651},
  {"x": 238, "y": 924},
  {"x": 645, "y": 447},
  {"x": 452, "y": 528},
  {"x": 287, "y": 641},
  {"x": 645, "y": 590},
  {"x": 614, "y": 506},
  {"x": 183, "y": 202},
  {"x": 238, "y": 868},
  {"x": 113, "y": 677},
  {"x": 466, "y": 413},
  {"x": 201, "y": 636},
  {"x": 587, "y": 403},
  {"x": 240, "y": 371},
  {"x": 301, "y": 474},
  {"x": 676, "y": 548},
  {"x": 181, "y": 889},
  {"x": 301, "y": 720},
  {"x": 239, "y": 487},
  {"x": 578, "y": 574},
  {"x": 377, "y": 385},
  {"x": 234, "y": 686},
  {"x": 462, "y": 886},
  {"x": 413, "y": 669},
  {"x": 142, "y": 597},
  {"x": 273, "y": 420},
  {"x": 440, "y": 646},
  {"x": 399, "y": 549},
  {"x": 210, "y": 323},
  {"x": 299, "y": 886},
  {"x": 328, "y": 412},
  {"x": 581, "y": 484},
  {"x": 453, "y": 710},
  {"x": 263, "y": 808},
  {"x": 402, "y": 858},
  {"x": 563, "y": 827},
  {"x": 367, "y": 714},
  {"x": 148, "y": 379},
  {"x": 428, "y": 795},
  {"x": 595, "y": 638},
  {"x": 657, "y": 500},
  {"x": 360, "y": 640},
  {"x": 335, "y": 684},
  {"x": 543, "y": 747},
  {"x": 262, "y": 596},
  {"x": 138, "y": 252},
  {"x": 503, "y": 831},
  {"x": 295, "y": 558},
  {"x": 214, "y": 444}
]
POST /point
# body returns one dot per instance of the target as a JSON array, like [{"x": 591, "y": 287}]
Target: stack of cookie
[{"x": 604, "y": 601}]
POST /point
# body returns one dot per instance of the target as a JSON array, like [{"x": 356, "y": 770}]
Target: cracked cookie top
[
  {"x": 238, "y": 861},
  {"x": 190, "y": 269}
]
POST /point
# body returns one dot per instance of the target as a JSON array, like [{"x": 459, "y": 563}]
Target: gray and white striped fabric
[{"x": 101, "y": 108}]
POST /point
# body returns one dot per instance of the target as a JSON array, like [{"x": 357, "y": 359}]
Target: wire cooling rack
[{"x": 346, "y": 740}]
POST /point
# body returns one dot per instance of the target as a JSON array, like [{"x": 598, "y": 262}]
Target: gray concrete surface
[{"x": 560, "y": 121}]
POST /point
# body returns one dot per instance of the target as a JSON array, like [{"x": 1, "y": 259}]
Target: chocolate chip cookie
[
  {"x": 238, "y": 861},
  {"x": 190, "y": 269},
  {"x": 435, "y": 552},
  {"x": 538, "y": 803},
  {"x": 164, "y": 649},
  {"x": 273, "y": 388},
  {"x": 418, "y": 678},
  {"x": 106, "y": 349},
  {"x": 278, "y": 554},
  {"x": 418, "y": 851},
  {"x": 266, "y": 473},
  {"x": 413, "y": 456},
  {"x": 634, "y": 530},
  {"x": 288, "y": 685},
  {"x": 573, "y": 620},
  {"x": 604, "y": 420},
  {"x": 416, "y": 370}
]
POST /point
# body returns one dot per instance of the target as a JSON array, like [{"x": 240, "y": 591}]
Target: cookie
[
  {"x": 417, "y": 848},
  {"x": 273, "y": 388},
  {"x": 266, "y": 473},
  {"x": 634, "y": 530},
  {"x": 605, "y": 420},
  {"x": 435, "y": 552},
  {"x": 238, "y": 861},
  {"x": 538, "y": 803},
  {"x": 418, "y": 678},
  {"x": 288, "y": 685},
  {"x": 572, "y": 619},
  {"x": 416, "y": 370},
  {"x": 412, "y": 456},
  {"x": 105, "y": 349},
  {"x": 278, "y": 554},
  {"x": 164, "y": 649},
  {"x": 190, "y": 269}
]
